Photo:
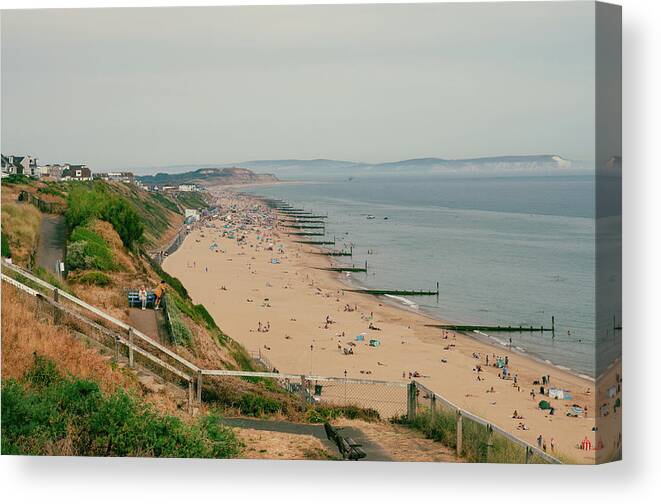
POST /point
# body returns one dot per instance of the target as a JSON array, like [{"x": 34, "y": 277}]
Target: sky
[{"x": 150, "y": 87}]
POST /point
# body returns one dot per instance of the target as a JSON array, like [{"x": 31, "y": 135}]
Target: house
[
  {"x": 187, "y": 187},
  {"x": 190, "y": 215},
  {"x": 53, "y": 171},
  {"x": 126, "y": 177},
  {"x": 76, "y": 172},
  {"x": 20, "y": 165}
]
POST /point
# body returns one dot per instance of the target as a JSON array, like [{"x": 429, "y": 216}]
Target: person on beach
[
  {"x": 158, "y": 292},
  {"x": 142, "y": 296}
]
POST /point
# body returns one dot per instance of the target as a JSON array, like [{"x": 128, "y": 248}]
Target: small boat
[
  {"x": 370, "y": 217},
  {"x": 385, "y": 218}
]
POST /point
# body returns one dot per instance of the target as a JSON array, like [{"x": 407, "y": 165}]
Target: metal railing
[{"x": 390, "y": 399}]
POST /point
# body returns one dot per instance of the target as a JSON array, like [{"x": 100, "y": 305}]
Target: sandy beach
[{"x": 264, "y": 291}]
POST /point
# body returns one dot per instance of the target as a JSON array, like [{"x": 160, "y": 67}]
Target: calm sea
[{"x": 506, "y": 251}]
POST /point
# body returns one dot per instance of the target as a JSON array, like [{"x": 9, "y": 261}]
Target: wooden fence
[{"x": 389, "y": 398}]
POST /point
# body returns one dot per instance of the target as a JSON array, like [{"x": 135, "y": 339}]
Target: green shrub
[
  {"x": 51, "y": 190},
  {"x": 178, "y": 331},
  {"x": 88, "y": 250},
  {"x": 4, "y": 241},
  {"x": 86, "y": 203},
  {"x": 46, "y": 411},
  {"x": 49, "y": 277},
  {"x": 256, "y": 405},
  {"x": 94, "y": 278},
  {"x": 166, "y": 202},
  {"x": 125, "y": 220},
  {"x": 17, "y": 179},
  {"x": 321, "y": 414}
]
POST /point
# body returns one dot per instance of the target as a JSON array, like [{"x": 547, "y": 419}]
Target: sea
[{"x": 504, "y": 250}]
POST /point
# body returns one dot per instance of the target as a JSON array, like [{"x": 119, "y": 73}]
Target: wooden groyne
[
  {"x": 336, "y": 253},
  {"x": 302, "y": 221},
  {"x": 519, "y": 328},
  {"x": 317, "y": 242},
  {"x": 352, "y": 269},
  {"x": 305, "y": 233},
  {"x": 394, "y": 292},
  {"x": 302, "y": 226},
  {"x": 498, "y": 328}
]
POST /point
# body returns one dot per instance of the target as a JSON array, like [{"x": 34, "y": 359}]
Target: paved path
[
  {"x": 145, "y": 322},
  {"x": 374, "y": 451},
  {"x": 52, "y": 241}
]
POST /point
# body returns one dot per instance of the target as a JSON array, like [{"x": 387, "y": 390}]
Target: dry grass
[
  {"x": 281, "y": 446},
  {"x": 26, "y": 333},
  {"x": 20, "y": 223}
]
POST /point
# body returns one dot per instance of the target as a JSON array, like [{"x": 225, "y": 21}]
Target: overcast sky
[{"x": 120, "y": 88}]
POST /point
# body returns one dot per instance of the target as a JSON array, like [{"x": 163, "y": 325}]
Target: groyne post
[{"x": 460, "y": 433}]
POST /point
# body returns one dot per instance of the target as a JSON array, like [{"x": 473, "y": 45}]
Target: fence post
[
  {"x": 117, "y": 352},
  {"x": 56, "y": 310},
  {"x": 528, "y": 454},
  {"x": 411, "y": 403},
  {"x": 130, "y": 347},
  {"x": 303, "y": 389},
  {"x": 460, "y": 433},
  {"x": 199, "y": 386},
  {"x": 489, "y": 441},
  {"x": 190, "y": 397},
  {"x": 432, "y": 407}
]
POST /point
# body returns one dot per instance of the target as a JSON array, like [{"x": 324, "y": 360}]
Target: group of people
[
  {"x": 263, "y": 327},
  {"x": 159, "y": 291}
]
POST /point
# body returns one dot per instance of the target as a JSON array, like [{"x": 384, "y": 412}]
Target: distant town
[{"x": 29, "y": 166}]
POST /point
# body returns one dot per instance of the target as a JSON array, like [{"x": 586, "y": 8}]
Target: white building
[
  {"x": 191, "y": 212},
  {"x": 187, "y": 187}
]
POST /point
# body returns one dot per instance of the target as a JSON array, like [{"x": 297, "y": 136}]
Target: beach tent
[
  {"x": 375, "y": 342},
  {"x": 360, "y": 337},
  {"x": 556, "y": 393},
  {"x": 544, "y": 405}
]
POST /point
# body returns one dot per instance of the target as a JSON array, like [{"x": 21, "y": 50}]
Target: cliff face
[{"x": 210, "y": 177}]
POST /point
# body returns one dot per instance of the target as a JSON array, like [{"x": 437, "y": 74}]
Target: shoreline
[{"x": 296, "y": 297}]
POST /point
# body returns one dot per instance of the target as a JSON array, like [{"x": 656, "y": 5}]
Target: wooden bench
[
  {"x": 350, "y": 449},
  {"x": 134, "y": 299}
]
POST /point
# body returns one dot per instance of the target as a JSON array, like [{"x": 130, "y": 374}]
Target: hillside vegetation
[
  {"x": 209, "y": 177},
  {"x": 20, "y": 232}
]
